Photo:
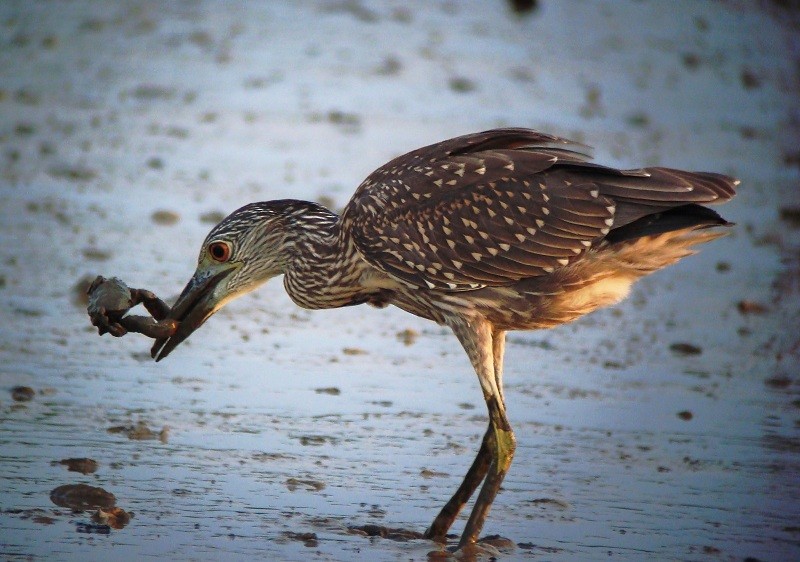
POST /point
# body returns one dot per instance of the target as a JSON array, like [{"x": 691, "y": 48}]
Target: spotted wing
[{"x": 480, "y": 210}]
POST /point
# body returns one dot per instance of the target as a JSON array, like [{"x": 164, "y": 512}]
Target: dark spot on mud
[
  {"x": 82, "y": 465},
  {"x": 778, "y": 382},
  {"x": 24, "y": 129},
  {"x": 498, "y": 542},
  {"x": 81, "y": 497},
  {"x": 750, "y": 80},
  {"x": 92, "y": 529},
  {"x": 428, "y": 473},
  {"x": 391, "y": 66},
  {"x": 690, "y": 60},
  {"x": 781, "y": 443},
  {"x": 639, "y": 119},
  {"x": 95, "y": 254},
  {"x": 407, "y": 336},
  {"x": 315, "y": 440},
  {"x": 269, "y": 457},
  {"x": 165, "y": 217},
  {"x": 346, "y": 122},
  {"x": 212, "y": 217},
  {"x": 685, "y": 415},
  {"x": 683, "y": 348},
  {"x": 22, "y": 394},
  {"x": 536, "y": 548},
  {"x": 385, "y": 532},
  {"x": 523, "y": 7},
  {"x": 750, "y": 307},
  {"x": 352, "y": 8},
  {"x": 549, "y": 502},
  {"x": 150, "y": 92},
  {"x": 791, "y": 216},
  {"x": 140, "y": 432},
  {"x": 72, "y": 172},
  {"x": 36, "y": 514},
  {"x": 307, "y": 484},
  {"x": 308, "y": 539},
  {"x": 462, "y": 85},
  {"x": 792, "y": 158},
  {"x": 332, "y": 390}
]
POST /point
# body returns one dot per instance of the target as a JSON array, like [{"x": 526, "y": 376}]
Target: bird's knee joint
[{"x": 506, "y": 444}]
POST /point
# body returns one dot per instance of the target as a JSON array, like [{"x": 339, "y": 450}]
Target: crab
[{"x": 109, "y": 303}]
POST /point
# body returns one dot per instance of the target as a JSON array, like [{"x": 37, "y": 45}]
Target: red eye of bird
[{"x": 219, "y": 251}]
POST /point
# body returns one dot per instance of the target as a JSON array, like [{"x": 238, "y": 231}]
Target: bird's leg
[
  {"x": 498, "y": 351},
  {"x": 486, "y": 355},
  {"x": 475, "y": 475},
  {"x": 503, "y": 453},
  {"x": 480, "y": 466}
]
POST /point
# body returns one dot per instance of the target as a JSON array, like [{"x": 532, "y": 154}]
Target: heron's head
[{"x": 242, "y": 252}]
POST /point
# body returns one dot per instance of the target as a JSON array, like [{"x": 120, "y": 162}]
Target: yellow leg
[
  {"x": 502, "y": 455},
  {"x": 485, "y": 347},
  {"x": 475, "y": 475}
]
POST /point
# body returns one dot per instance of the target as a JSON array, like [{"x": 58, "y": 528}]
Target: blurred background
[{"x": 665, "y": 428}]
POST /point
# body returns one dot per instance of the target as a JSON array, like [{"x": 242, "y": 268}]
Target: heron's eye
[{"x": 219, "y": 251}]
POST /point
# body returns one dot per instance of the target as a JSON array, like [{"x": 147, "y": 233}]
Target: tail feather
[
  {"x": 642, "y": 255},
  {"x": 685, "y": 217}
]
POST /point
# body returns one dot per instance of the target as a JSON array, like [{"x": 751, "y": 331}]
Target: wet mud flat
[
  {"x": 665, "y": 429},
  {"x": 345, "y": 455}
]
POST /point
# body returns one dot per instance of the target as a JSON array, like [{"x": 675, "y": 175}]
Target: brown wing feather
[{"x": 492, "y": 208}]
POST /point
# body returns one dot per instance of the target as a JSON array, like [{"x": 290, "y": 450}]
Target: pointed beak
[{"x": 198, "y": 301}]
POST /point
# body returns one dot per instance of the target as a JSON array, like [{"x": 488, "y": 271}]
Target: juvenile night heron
[{"x": 509, "y": 229}]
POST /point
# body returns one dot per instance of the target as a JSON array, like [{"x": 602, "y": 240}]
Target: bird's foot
[{"x": 491, "y": 547}]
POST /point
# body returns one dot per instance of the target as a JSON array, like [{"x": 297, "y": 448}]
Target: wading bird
[{"x": 508, "y": 229}]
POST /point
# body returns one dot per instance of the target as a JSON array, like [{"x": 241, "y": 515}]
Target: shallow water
[{"x": 127, "y": 128}]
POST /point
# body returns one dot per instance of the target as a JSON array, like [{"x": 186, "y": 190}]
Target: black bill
[{"x": 195, "y": 305}]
